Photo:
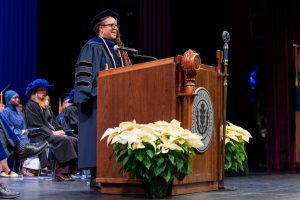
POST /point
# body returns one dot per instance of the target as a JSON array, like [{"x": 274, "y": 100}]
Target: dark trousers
[{"x": 69, "y": 167}]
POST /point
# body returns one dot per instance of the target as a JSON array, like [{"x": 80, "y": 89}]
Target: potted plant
[
  {"x": 235, "y": 154},
  {"x": 154, "y": 152}
]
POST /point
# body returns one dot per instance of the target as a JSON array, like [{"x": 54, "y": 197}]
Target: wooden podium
[{"x": 160, "y": 90}]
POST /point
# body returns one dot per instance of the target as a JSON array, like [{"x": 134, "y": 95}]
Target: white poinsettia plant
[
  {"x": 235, "y": 154},
  {"x": 236, "y": 133},
  {"x": 151, "y": 150}
]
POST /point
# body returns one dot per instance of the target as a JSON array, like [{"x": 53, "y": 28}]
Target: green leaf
[
  {"x": 167, "y": 175},
  {"x": 172, "y": 159},
  {"x": 117, "y": 147},
  {"x": 232, "y": 147},
  {"x": 185, "y": 148},
  {"x": 159, "y": 160},
  {"x": 179, "y": 163},
  {"x": 188, "y": 168},
  {"x": 129, "y": 152},
  {"x": 159, "y": 170},
  {"x": 228, "y": 157},
  {"x": 121, "y": 155},
  {"x": 240, "y": 162},
  {"x": 228, "y": 165},
  {"x": 139, "y": 155},
  {"x": 243, "y": 157},
  {"x": 125, "y": 160},
  {"x": 150, "y": 153},
  {"x": 147, "y": 162}
]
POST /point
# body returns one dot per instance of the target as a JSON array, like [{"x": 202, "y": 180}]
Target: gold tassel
[
  {"x": 1, "y": 98},
  {"x": 42, "y": 104},
  {"x": 59, "y": 105}
]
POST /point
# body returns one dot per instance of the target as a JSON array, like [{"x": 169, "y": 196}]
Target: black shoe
[
  {"x": 30, "y": 149},
  {"x": 7, "y": 194},
  {"x": 61, "y": 177},
  {"x": 95, "y": 185}
]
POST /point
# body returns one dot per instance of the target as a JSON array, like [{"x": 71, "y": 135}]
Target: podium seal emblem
[{"x": 203, "y": 117}]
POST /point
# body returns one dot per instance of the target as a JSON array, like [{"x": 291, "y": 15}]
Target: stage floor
[{"x": 257, "y": 186}]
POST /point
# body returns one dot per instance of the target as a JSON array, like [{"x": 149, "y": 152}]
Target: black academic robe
[
  {"x": 94, "y": 57},
  {"x": 64, "y": 147},
  {"x": 70, "y": 120}
]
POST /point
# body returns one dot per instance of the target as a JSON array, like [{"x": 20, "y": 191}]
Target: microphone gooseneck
[{"x": 132, "y": 50}]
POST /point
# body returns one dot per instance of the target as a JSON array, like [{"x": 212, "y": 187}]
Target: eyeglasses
[{"x": 114, "y": 26}]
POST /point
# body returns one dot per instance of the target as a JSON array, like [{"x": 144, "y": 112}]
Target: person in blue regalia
[
  {"x": 16, "y": 122},
  {"x": 97, "y": 54}
]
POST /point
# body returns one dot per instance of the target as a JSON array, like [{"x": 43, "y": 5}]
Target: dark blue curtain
[{"x": 18, "y": 43}]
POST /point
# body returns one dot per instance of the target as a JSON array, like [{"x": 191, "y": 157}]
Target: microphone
[{"x": 133, "y": 51}]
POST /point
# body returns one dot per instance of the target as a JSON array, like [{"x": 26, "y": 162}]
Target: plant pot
[{"x": 157, "y": 188}]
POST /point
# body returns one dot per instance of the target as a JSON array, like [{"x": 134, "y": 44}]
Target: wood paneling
[
  {"x": 205, "y": 174},
  {"x": 144, "y": 92},
  {"x": 147, "y": 92}
]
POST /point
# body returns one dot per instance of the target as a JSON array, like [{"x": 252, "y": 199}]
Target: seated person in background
[
  {"x": 47, "y": 105},
  {"x": 47, "y": 101},
  {"x": 61, "y": 113},
  {"x": 16, "y": 122},
  {"x": 70, "y": 118},
  {"x": 4, "y": 168},
  {"x": 38, "y": 116},
  {"x": 10, "y": 143},
  {"x": 4, "y": 192},
  {"x": 19, "y": 107}
]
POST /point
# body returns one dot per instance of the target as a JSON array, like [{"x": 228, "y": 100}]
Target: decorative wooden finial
[
  {"x": 219, "y": 56},
  {"x": 190, "y": 63}
]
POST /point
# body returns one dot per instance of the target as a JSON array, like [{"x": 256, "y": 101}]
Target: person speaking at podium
[{"x": 97, "y": 54}]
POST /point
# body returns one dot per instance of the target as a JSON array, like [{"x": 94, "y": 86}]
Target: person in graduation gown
[
  {"x": 38, "y": 116},
  {"x": 8, "y": 140},
  {"x": 16, "y": 122},
  {"x": 96, "y": 55},
  {"x": 70, "y": 119},
  {"x": 11, "y": 144},
  {"x": 60, "y": 116},
  {"x": 4, "y": 153}
]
